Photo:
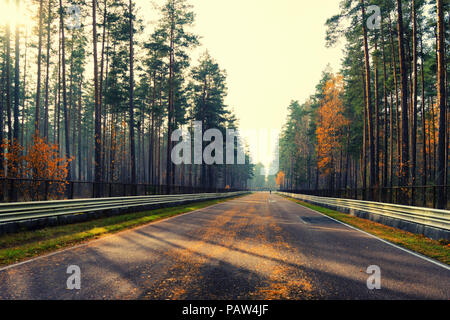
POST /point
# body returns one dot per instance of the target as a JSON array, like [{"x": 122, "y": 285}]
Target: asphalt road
[{"x": 256, "y": 247}]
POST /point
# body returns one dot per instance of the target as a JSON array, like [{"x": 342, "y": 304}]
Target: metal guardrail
[
  {"x": 411, "y": 195},
  {"x": 426, "y": 216},
  {"x": 20, "y": 211}
]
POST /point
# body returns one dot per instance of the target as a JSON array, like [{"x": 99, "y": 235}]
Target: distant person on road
[{"x": 270, "y": 191}]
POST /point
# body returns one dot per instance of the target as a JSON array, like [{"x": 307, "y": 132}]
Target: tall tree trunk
[
  {"x": 16, "y": 83},
  {"x": 22, "y": 138},
  {"x": 424, "y": 146},
  {"x": 64, "y": 91},
  {"x": 170, "y": 110},
  {"x": 8, "y": 104},
  {"x": 152, "y": 133},
  {"x": 100, "y": 92},
  {"x": 391, "y": 141},
  {"x": 347, "y": 160},
  {"x": 414, "y": 100},
  {"x": 364, "y": 147},
  {"x": 70, "y": 112},
  {"x": 8, "y": 81},
  {"x": 47, "y": 66},
  {"x": 433, "y": 118},
  {"x": 404, "y": 169},
  {"x": 131, "y": 110},
  {"x": 80, "y": 163},
  {"x": 58, "y": 98},
  {"x": 2, "y": 156},
  {"x": 397, "y": 108},
  {"x": 113, "y": 149},
  {"x": 385, "y": 157},
  {"x": 97, "y": 116},
  {"x": 372, "y": 176},
  {"x": 377, "y": 115},
  {"x": 441, "y": 163},
  {"x": 38, "y": 86},
  {"x": 159, "y": 130}
]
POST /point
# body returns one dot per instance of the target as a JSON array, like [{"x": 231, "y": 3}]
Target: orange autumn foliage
[
  {"x": 331, "y": 122},
  {"x": 41, "y": 162},
  {"x": 14, "y": 158},
  {"x": 280, "y": 178}
]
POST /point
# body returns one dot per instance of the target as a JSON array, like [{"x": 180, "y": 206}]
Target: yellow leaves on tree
[
  {"x": 13, "y": 156},
  {"x": 280, "y": 178},
  {"x": 331, "y": 122},
  {"x": 44, "y": 162},
  {"x": 41, "y": 162}
]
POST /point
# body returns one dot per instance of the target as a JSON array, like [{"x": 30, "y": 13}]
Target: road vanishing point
[{"x": 259, "y": 246}]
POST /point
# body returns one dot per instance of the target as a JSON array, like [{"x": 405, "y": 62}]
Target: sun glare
[{"x": 14, "y": 15}]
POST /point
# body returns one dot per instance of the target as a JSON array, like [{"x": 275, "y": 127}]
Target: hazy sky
[{"x": 273, "y": 52}]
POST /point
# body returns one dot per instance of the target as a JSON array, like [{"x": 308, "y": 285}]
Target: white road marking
[
  {"x": 303, "y": 220},
  {"x": 418, "y": 255}
]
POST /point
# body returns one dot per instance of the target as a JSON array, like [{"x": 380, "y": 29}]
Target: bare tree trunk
[
  {"x": 372, "y": 176},
  {"x": 64, "y": 93},
  {"x": 47, "y": 66},
  {"x": 364, "y": 151},
  {"x": 377, "y": 115},
  {"x": 80, "y": 163},
  {"x": 97, "y": 116},
  {"x": 170, "y": 110},
  {"x": 58, "y": 106},
  {"x": 16, "y": 84},
  {"x": 8, "y": 83},
  {"x": 441, "y": 179},
  {"x": 397, "y": 108},
  {"x": 433, "y": 118},
  {"x": 414, "y": 102},
  {"x": 71, "y": 114},
  {"x": 424, "y": 146},
  {"x": 113, "y": 149},
  {"x": 152, "y": 134},
  {"x": 100, "y": 92},
  {"x": 385, "y": 157},
  {"x": 38, "y": 86},
  {"x": 58, "y": 97},
  {"x": 22, "y": 138},
  {"x": 404, "y": 169},
  {"x": 131, "y": 107},
  {"x": 2, "y": 157},
  {"x": 347, "y": 160}
]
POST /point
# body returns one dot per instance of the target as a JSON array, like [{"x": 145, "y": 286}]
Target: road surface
[{"x": 259, "y": 246}]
